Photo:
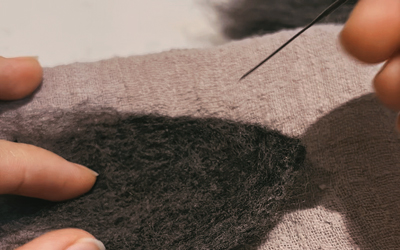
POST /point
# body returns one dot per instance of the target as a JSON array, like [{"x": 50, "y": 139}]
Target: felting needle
[{"x": 323, "y": 14}]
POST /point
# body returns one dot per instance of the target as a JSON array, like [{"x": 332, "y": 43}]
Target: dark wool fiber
[
  {"x": 165, "y": 183},
  {"x": 243, "y": 18}
]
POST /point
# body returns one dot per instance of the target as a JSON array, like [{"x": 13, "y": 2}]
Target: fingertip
[
  {"x": 387, "y": 83},
  {"x": 398, "y": 123},
  {"x": 87, "y": 244},
  {"x": 24, "y": 172},
  {"x": 19, "y": 77},
  {"x": 63, "y": 239},
  {"x": 68, "y": 181},
  {"x": 371, "y": 33},
  {"x": 79, "y": 183}
]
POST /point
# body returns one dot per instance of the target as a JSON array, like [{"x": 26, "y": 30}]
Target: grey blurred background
[{"x": 66, "y": 31}]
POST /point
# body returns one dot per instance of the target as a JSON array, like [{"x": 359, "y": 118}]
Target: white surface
[{"x": 66, "y": 31}]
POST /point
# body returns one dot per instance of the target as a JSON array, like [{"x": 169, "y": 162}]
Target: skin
[
  {"x": 372, "y": 35},
  {"x": 23, "y": 170}
]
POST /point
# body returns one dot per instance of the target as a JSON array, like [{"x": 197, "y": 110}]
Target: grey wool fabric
[{"x": 349, "y": 196}]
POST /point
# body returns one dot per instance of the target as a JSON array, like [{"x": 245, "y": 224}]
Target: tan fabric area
[{"x": 351, "y": 195}]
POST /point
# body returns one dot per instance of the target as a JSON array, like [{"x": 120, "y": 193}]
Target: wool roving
[
  {"x": 165, "y": 182},
  {"x": 244, "y": 18}
]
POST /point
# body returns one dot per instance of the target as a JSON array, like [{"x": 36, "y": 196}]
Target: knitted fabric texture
[{"x": 167, "y": 183}]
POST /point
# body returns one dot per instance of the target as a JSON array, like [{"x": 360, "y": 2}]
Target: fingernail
[
  {"x": 91, "y": 171},
  {"x": 87, "y": 244},
  {"x": 25, "y": 57},
  {"x": 34, "y": 57}
]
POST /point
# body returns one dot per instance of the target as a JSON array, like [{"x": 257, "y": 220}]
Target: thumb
[
  {"x": 64, "y": 239},
  {"x": 19, "y": 77},
  {"x": 371, "y": 33}
]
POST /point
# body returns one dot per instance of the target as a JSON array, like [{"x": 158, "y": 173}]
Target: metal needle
[{"x": 325, "y": 13}]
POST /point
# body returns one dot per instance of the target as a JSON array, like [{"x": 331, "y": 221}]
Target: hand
[
  {"x": 31, "y": 171},
  {"x": 372, "y": 35}
]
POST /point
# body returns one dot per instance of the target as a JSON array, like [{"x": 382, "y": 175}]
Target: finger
[
  {"x": 19, "y": 77},
  {"x": 372, "y": 33},
  {"x": 387, "y": 83},
  {"x": 64, "y": 239},
  {"x": 31, "y": 171}
]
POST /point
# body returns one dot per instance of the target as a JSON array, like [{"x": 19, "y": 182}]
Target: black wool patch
[{"x": 170, "y": 183}]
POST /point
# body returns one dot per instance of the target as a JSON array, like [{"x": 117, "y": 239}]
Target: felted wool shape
[
  {"x": 244, "y": 18},
  {"x": 164, "y": 183}
]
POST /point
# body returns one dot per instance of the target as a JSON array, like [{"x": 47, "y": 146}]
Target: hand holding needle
[{"x": 372, "y": 35}]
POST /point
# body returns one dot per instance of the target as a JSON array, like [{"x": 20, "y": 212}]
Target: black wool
[{"x": 167, "y": 183}]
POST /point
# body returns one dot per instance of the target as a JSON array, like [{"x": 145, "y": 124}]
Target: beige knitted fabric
[{"x": 351, "y": 194}]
